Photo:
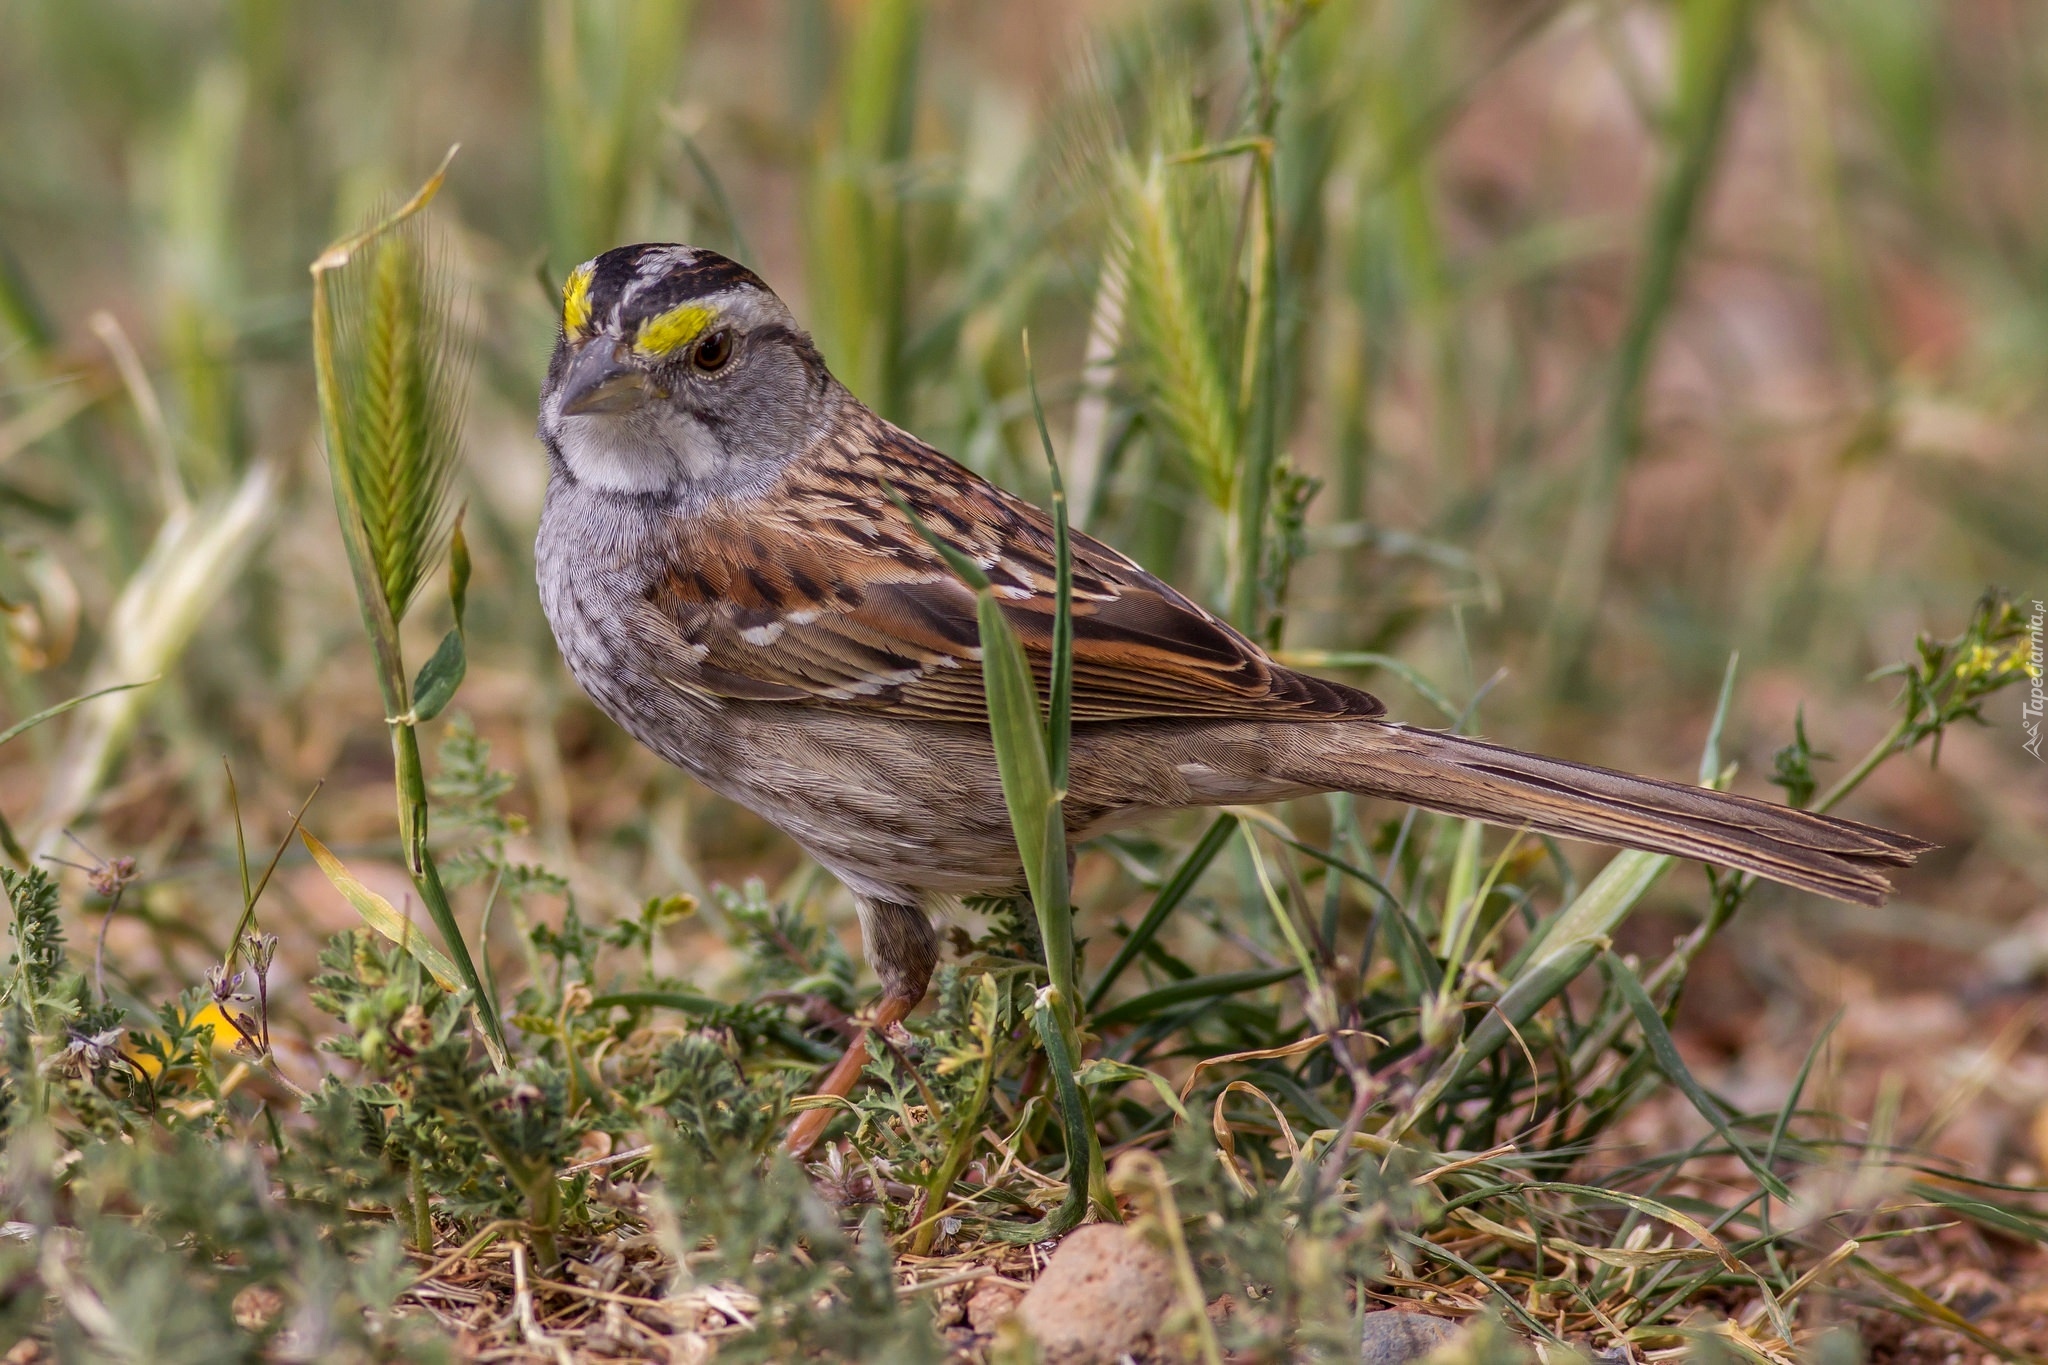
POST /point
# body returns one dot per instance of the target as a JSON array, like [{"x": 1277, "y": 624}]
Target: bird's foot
[{"x": 845, "y": 1074}]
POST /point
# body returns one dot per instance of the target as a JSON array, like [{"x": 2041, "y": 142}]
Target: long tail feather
[{"x": 1458, "y": 776}]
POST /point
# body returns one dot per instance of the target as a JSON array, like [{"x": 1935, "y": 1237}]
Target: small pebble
[
  {"x": 990, "y": 1304},
  {"x": 1104, "y": 1292}
]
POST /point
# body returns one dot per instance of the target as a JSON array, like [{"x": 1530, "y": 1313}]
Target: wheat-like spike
[
  {"x": 388, "y": 443},
  {"x": 400, "y": 366},
  {"x": 1174, "y": 336}
]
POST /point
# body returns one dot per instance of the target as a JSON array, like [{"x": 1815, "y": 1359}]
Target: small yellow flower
[{"x": 224, "y": 1035}]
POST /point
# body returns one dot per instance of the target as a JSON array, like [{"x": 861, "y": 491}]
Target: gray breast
[{"x": 592, "y": 556}]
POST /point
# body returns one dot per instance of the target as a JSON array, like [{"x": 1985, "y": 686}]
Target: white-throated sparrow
[{"x": 729, "y": 581}]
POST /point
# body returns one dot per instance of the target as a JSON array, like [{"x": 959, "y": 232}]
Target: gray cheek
[
  {"x": 694, "y": 449},
  {"x": 762, "y": 421}
]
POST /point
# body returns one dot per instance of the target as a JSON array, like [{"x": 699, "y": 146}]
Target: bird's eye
[{"x": 713, "y": 351}]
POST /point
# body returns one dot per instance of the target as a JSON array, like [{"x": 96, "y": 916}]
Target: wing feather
[{"x": 815, "y": 595}]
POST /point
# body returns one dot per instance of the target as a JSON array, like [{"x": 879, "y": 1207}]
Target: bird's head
[{"x": 678, "y": 371}]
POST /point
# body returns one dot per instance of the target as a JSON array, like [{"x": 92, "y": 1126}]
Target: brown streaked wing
[{"x": 825, "y": 594}]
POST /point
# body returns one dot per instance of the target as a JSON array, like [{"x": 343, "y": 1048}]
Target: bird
[{"x": 729, "y": 578}]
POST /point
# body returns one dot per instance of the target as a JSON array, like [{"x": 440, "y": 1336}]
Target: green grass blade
[
  {"x": 1168, "y": 899},
  {"x": 1461, "y": 910},
  {"x": 857, "y": 247},
  {"x": 21, "y": 727},
  {"x": 382, "y": 916},
  {"x": 1059, "y": 711},
  {"x": 1710, "y": 752},
  {"x": 1658, "y": 1036},
  {"x": 1595, "y": 913},
  {"x": 1079, "y": 1129},
  {"x": 1036, "y": 808},
  {"x": 427, "y": 880},
  {"x": 1141, "y": 1007},
  {"x": 1931, "y": 1309},
  {"x": 607, "y": 67},
  {"x": 1995, "y": 1217},
  {"x": 1799, "y": 1079},
  {"x": 1713, "y": 51}
]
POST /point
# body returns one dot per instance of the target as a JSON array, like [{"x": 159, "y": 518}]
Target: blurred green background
[{"x": 1588, "y": 341}]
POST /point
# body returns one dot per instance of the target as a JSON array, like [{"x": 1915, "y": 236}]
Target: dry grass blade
[{"x": 197, "y": 554}]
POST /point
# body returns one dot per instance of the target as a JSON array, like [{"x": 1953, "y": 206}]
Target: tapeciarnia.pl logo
[{"x": 2037, "y": 688}]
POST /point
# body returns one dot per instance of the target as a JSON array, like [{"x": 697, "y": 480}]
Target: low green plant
[{"x": 1420, "y": 1118}]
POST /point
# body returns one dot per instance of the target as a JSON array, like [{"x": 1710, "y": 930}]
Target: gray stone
[{"x": 1395, "y": 1338}]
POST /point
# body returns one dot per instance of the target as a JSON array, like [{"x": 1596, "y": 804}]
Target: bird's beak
[{"x": 597, "y": 382}]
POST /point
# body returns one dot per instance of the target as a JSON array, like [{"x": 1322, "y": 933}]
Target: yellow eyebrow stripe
[
  {"x": 576, "y": 300},
  {"x": 665, "y": 333}
]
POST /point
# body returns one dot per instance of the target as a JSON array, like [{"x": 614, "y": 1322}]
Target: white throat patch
[{"x": 647, "y": 450}]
